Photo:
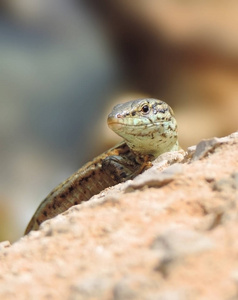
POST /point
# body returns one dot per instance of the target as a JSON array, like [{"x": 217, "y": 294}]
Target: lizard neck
[{"x": 155, "y": 140}]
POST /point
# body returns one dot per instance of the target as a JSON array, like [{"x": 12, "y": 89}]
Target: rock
[{"x": 169, "y": 234}]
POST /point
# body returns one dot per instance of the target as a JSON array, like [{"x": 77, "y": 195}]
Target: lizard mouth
[
  {"x": 115, "y": 125},
  {"x": 114, "y": 122}
]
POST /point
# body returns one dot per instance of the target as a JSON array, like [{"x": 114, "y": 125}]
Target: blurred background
[{"x": 65, "y": 63}]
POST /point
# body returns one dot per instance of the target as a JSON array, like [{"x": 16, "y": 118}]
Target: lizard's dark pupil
[{"x": 145, "y": 108}]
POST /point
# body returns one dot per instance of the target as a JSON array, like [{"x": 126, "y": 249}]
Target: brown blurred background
[{"x": 65, "y": 63}]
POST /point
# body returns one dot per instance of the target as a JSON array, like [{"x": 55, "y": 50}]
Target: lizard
[{"x": 148, "y": 128}]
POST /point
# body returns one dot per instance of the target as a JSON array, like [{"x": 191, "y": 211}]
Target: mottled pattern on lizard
[{"x": 148, "y": 128}]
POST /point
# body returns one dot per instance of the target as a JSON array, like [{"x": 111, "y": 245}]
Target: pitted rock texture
[{"x": 169, "y": 234}]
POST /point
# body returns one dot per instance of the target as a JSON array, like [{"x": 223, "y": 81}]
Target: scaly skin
[{"x": 148, "y": 128}]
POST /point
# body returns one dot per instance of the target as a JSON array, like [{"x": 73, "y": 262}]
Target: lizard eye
[{"x": 145, "y": 108}]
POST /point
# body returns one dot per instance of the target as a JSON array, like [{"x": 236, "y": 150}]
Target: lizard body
[{"x": 148, "y": 128}]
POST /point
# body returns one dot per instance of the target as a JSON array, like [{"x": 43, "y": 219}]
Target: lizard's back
[{"x": 89, "y": 180}]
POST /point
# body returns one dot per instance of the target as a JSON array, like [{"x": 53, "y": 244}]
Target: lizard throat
[{"x": 152, "y": 139}]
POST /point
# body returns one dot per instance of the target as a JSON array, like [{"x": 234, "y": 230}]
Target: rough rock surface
[{"x": 169, "y": 234}]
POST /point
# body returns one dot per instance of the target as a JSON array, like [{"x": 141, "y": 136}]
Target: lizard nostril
[{"x": 118, "y": 115}]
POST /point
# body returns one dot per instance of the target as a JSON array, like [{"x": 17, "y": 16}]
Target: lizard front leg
[{"x": 121, "y": 168}]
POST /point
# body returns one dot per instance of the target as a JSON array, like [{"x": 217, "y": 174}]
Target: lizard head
[{"x": 148, "y": 126}]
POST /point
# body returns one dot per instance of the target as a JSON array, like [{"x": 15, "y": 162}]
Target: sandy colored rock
[{"x": 172, "y": 237}]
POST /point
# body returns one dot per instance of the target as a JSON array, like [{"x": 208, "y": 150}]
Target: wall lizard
[{"x": 148, "y": 127}]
